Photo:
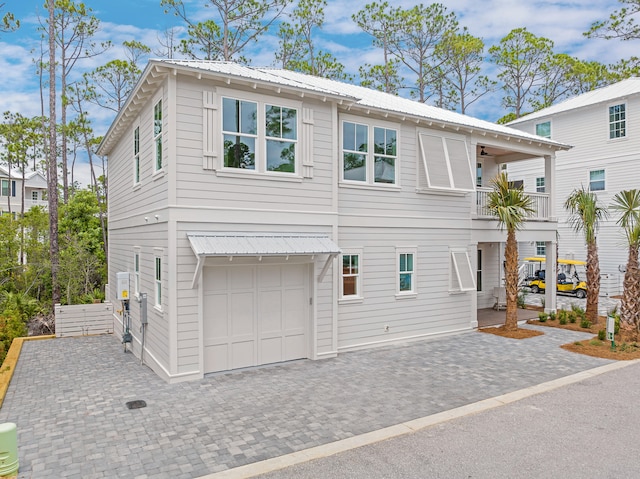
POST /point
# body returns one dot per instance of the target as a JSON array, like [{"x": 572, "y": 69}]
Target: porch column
[
  {"x": 551, "y": 277},
  {"x": 550, "y": 185}
]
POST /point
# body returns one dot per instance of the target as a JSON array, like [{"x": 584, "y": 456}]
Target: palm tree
[
  {"x": 627, "y": 203},
  {"x": 510, "y": 206},
  {"x": 585, "y": 215}
]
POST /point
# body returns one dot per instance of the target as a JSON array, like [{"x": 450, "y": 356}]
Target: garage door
[{"x": 254, "y": 314}]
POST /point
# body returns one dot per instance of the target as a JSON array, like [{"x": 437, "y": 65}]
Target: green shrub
[
  {"x": 563, "y": 319},
  {"x": 602, "y": 334},
  {"x": 542, "y": 317},
  {"x": 596, "y": 342},
  {"x": 552, "y": 316},
  {"x": 585, "y": 323},
  {"x": 522, "y": 296}
]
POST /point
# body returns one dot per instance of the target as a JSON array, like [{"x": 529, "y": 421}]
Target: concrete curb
[
  {"x": 326, "y": 450},
  {"x": 10, "y": 361}
]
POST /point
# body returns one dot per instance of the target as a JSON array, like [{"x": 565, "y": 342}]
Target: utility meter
[{"x": 122, "y": 284}]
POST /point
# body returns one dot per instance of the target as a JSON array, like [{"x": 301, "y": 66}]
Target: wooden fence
[{"x": 84, "y": 319}]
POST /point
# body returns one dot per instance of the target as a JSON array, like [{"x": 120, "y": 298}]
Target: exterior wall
[
  {"x": 193, "y": 193},
  {"x": 15, "y": 202},
  {"x": 587, "y": 129}
]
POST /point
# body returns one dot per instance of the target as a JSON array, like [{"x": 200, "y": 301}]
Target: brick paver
[{"x": 68, "y": 399}]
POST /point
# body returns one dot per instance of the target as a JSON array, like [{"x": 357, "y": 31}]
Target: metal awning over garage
[{"x": 207, "y": 244}]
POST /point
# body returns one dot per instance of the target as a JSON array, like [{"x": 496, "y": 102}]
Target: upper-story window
[
  {"x": 596, "y": 180},
  {"x": 367, "y": 162},
  {"x": 157, "y": 135},
  {"x": 8, "y": 188},
  {"x": 136, "y": 155},
  {"x": 446, "y": 162},
  {"x": 34, "y": 195},
  {"x": 540, "y": 186},
  {"x": 617, "y": 121},
  {"x": 544, "y": 129},
  {"x": 259, "y": 136}
]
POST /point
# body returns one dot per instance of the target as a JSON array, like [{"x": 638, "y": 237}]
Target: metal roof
[
  {"x": 356, "y": 95},
  {"x": 622, "y": 89},
  {"x": 260, "y": 244}
]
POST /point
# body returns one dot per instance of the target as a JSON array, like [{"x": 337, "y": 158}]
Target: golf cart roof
[{"x": 540, "y": 259}]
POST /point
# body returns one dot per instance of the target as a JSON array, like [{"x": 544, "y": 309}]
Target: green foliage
[
  {"x": 552, "y": 316},
  {"x": 602, "y": 334},
  {"x": 563, "y": 315},
  {"x": 15, "y": 311},
  {"x": 572, "y": 316},
  {"x": 585, "y": 323},
  {"x": 596, "y": 342},
  {"x": 542, "y": 317},
  {"x": 522, "y": 300}
]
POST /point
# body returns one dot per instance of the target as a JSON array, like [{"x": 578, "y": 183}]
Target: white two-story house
[
  {"x": 603, "y": 126},
  {"x": 270, "y": 215},
  {"x": 11, "y": 191}
]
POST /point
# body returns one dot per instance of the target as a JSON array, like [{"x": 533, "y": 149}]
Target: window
[
  {"x": 479, "y": 272},
  {"x": 136, "y": 155},
  {"x": 596, "y": 180},
  {"x": 540, "y": 187},
  {"x": 406, "y": 271},
  {"x": 541, "y": 248},
  {"x": 446, "y": 163},
  {"x": 259, "y": 137},
  {"x": 351, "y": 275},
  {"x": 136, "y": 273},
  {"x": 617, "y": 121},
  {"x": 157, "y": 135},
  {"x": 8, "y": 188},
  {"x": 544, "y": 129},
  {"x": 364, "y": 164},
  {"x": 479, "y": 174},
  {"x": 281, "y": 132},
  {"x": 34, "y": 195},
  {"x": 461, "y": 274},
  {"x": 158, "y": 282}
]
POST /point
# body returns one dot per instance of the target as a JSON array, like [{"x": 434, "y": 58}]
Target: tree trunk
[
  {"x": 52, "y": 165},
  {"x": 593, "y": 282},
  {"x": 511, "y": 285},
  {"x": 630, "y": 304}
]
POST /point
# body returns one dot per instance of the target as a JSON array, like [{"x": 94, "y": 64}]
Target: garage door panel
[
  {"x": 242, "y": 314},
  {"x": 254, "y": 314}
]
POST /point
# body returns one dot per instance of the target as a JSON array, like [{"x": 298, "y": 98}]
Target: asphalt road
[{"x": 589, "y": 429}]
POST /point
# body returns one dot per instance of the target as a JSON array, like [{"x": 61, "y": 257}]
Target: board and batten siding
[
  {"x": 433, "y": 310},
  {"x": 203, "y": 187}
]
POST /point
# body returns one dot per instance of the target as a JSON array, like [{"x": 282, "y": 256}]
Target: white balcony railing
[{"x": 540, "y": 205}]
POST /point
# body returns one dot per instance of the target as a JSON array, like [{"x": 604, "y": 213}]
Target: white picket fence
[{"x": 83, "y": 319}]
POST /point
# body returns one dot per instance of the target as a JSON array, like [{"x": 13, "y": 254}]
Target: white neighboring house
[
  {"x": 270, "y": 216},
  {"x": 603, "y": 126},
  {"x": 35, "y": 188}
]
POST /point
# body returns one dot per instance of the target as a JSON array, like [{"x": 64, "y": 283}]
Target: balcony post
[{"x": 550, "y": 184}]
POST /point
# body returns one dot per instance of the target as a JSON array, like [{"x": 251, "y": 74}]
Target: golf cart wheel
[{"x": 581, "y": 293}]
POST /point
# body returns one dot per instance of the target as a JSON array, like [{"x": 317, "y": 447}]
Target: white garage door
[{"x": 254, "y": 314}]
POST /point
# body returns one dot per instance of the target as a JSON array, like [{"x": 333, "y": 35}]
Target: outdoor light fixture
[{"x": 482, "y": 152}]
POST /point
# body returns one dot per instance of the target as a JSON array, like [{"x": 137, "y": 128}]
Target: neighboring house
[
  {"x": 270, "y": 215},
  {"x": 35, "y": 187},
  {"x": 603, "y": 126}
]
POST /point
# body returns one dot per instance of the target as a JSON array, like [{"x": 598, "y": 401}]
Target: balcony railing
[{"x": 540, "y": 205}]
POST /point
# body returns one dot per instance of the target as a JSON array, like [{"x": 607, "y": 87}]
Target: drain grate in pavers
[{"x": 137, "y": 404}]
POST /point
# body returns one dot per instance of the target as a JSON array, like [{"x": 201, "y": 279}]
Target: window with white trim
[
  {"x": 136, "y": 271},
  {"x": 367, "y": 162},
  {"x": 351, "y": 284},
  {"x": 157, "y": 135},
  {"x": 136, "y": 155},
  {"x": 541, "y": 248},
  {"x": 540, "y": 186},
  {"x": 446, "y": 162},
  {"x": 461, "y": 274},
  {"x": 158, "y": 281},
  {"x": 406, "y": 271},
  {"x": 544, "y": 129},
  {"x": 8, "y": 188},
  {"x": 34, "y": 195},
  {"x": 618, "y": 121},
  {"x": 260, "y": 137},
  {"x": 596, "y": 180}
]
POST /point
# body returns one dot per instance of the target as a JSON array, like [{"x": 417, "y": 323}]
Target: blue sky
[{"x": 143, "y": 20}]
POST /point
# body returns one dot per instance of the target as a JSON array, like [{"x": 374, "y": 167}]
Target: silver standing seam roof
[{"x": 260, "y": 244}]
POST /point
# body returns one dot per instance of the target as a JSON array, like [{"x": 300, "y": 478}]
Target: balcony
[{"x": 541, "y": 210}]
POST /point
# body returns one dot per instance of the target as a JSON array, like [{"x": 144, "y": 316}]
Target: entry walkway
[{"x": 68, "y": 399}]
